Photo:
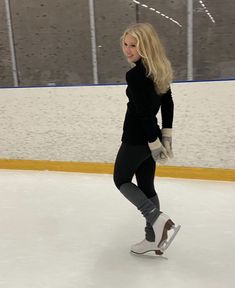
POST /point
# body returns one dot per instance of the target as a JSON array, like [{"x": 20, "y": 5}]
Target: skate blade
[
  {"x": 149, "y": 254},
  {"x": 157, "y": 252},
  {"x": 165, "y": 244}
]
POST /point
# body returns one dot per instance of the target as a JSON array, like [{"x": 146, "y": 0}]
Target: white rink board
[{"x": 84, "y": 123}]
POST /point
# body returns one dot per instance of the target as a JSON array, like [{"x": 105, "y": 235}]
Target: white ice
[{"x": 72, "y": 230}]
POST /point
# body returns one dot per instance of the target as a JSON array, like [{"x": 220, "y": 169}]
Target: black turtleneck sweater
[{"x": 140, "y": 124}]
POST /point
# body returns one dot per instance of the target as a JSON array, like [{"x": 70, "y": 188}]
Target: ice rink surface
[{"x": 72, "y": 230}]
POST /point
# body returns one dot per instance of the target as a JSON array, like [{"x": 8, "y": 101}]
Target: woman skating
[{"x": 143, "y": 142}]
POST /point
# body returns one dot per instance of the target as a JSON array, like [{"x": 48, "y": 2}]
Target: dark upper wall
[
  {"x": 6, "y": 78},
  {"x": 53, "y": 41},
  {"x": 112, "y": 17},
  {"x": 214, "y": 44}
]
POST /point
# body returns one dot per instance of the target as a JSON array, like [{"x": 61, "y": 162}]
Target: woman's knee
[{"x": 119, "y": 179}]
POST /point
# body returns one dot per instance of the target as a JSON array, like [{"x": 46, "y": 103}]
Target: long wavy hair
[{"x": 153, "y": 55}]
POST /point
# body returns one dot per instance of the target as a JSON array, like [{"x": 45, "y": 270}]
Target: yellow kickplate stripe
[{"x": 107, "y": 168}]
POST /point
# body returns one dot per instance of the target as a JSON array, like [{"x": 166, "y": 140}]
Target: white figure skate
[
  {"x": 144, "y": 247},
  {"x": 161, "y": 227}
]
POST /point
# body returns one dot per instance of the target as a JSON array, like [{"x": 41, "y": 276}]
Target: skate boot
[
  {"x": 144, "y": 247},
  {"x": 161, "y": 227}
]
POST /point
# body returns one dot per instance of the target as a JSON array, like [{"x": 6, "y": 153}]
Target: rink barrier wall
[
  {"x": 84, "y": 123},
  {"x": 107, "y": 168}
]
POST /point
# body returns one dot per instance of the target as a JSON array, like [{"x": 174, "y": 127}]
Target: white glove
[
  {"x": 159, "y": 153},
  {"x": 167, "y": 141}
]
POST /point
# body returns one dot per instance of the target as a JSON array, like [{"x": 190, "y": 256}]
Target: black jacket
[{"x": 141, "y": 124}]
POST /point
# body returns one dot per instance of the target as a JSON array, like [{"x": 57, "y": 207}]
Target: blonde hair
[{"x": 153, "y": 55}]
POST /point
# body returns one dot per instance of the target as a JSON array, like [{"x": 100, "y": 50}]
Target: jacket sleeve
[
  {"x": 140, "y": 96},
  {"x": 167, "y": 109}
]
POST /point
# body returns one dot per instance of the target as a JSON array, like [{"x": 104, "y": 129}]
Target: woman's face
[{"x": 129, "y": 49}]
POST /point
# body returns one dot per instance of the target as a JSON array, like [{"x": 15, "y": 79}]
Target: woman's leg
[
  {"x": 145, "y": 180},
  {"x": 145, "y": 174},
  {"x": 129, "y": 159}
]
